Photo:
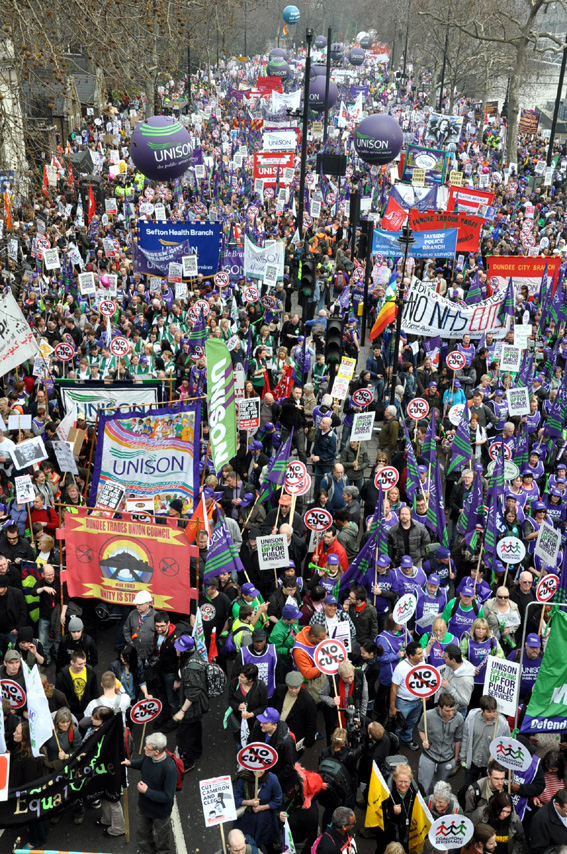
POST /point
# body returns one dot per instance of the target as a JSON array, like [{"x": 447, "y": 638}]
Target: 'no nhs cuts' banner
[{"x": 428, "y": 244}]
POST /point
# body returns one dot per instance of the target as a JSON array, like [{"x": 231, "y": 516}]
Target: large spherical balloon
[
  {"x": 366, "y": 42},
  {"x": 278, "y": 67},
  {"x": 317, "y": 71},
  {"x": 320, "y": 42},
  {"x": 160, "y": 148},
  {"x": 378, "y": 139},
  {"x": 317, "y": 94},
  {"x": 291, "y": 14},
  {"x": 356, "y": 56},
  {"x": 337, "y": 51},
  {"x": 278, "y": 51}
]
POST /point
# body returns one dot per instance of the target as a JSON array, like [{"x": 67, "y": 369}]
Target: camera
[{"x": 353, "y": 725}]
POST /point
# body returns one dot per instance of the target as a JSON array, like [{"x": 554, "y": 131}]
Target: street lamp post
[
  {"x": 303, "y": 163},
  {"x": 405, "y": 240},
  {"x": 556, "y": 107}
]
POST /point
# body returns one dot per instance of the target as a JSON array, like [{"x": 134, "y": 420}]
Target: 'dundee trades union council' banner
[
  {"x": 113, "y": 559},
  {"x": 151, "y": 454}
]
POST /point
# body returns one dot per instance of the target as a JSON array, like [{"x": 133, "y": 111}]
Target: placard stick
[
  {"x": 252, "y": 510},
  {"x": 336, "y": 695},
  {"x": 424, "y": 701},
  {"x": 540, "y": 622},
  {"x": 143, "y": 739},
  {"x": 221, "y": 827},
  {"x": 31, "y": 526},
  {"x": 125, "y": 809}
]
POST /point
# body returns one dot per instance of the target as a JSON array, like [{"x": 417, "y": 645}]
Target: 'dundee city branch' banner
[
  {"x": 428, "y": 314},
  {"x": 93, "y": 772},
  {"x": 160, "y": 243},
  {"x": 428, "y": 244},
  {"x": 524, "y": 271},
  {"x": 151, "y": 454},
  {"x": 113, "y": 559}
]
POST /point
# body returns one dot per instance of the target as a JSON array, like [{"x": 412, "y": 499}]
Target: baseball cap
[
  {"x": 285, "y": 500},
  {"x": 331, "y": 600},
  {"x": 270, "y": 716},
  {"x": 539, "y": 505},
  {"x": 294, "y": 679},
  {"x": 142, "y": 597},
  {"x": 268, "y": 426},
  {"x": 259, "y": 635},
  {"x": 247, "y": 499},
  {"x": 535, "y": 451},
  {"x": 406, "y": 562},
  {"x": 256, "y": 445},
  {"x": 185, "y": 643},
  {"x": 457, "y": 384},
  {"x": 466, "y": 589},
  {"x": 431, "y": 384},
  {"x": 384, "y": 561},
  {"x": 527, "y": 473},
  {"x": 333, "y": 560},
  {"x": 12, "y": 655},
  {"x": 499, "y": 391},
  {"x": 76, "y": 624},
  {"x": 254, "y": 533},
  {"x": 249, "y": 590},
  {"x": 290, "y": 612},
  {"x": 533, "y": 640},
  {"x": 422, "y": 469},
  {"x": 479, "y": 467},
  {"x": 434, "y": 579},
  {"x": 442, "y": 552}
]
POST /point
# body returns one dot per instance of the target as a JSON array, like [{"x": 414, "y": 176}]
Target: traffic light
[
  {"x": 334, "y": 340},
  {"x": 362, "y": 247},
  {"x": 308, "y": 278}
]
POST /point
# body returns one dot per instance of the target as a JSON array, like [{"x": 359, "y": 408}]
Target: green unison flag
[
  {"x": 547, "y": 709},
  {"x": 221, "y": 402}
]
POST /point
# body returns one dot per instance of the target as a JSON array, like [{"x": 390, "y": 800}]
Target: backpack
[
  {"x": 229, "y": 649},
  {"x": 216, "y": 680},
  {"x": 461, "y": 794},
  {"x": 180, "y": 768},
  {"x": 338, "y": 780},
  {"x": 318, "y": 840},
  {"x": 457, "y": 602}
]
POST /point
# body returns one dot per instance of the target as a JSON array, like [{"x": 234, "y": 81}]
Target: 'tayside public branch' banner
[
  {"x": 469, "y": 227},
  {"x": 93, "y": 772},
  {"x": 426, "y": 313},
  {"x": 113, "y": 559},
  {"x": 428, "y": 244},
  {"x": 92, "y": 398},
  {"x": 151, "y": 454},
  {"x": 17, "y": 342},
  {"x": 524, "y": 271}
]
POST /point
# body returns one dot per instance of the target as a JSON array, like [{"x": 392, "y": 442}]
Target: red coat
[
  {"x": 49, "y": 516},
  {"x": 320, "y": 555}
]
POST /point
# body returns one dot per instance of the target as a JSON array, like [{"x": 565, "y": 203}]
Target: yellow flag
[
  {"x": 421, "y": 821},
  {"x": 378, "y": 792}
]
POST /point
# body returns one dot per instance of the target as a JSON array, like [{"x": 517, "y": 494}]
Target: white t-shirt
[
  {"x": 120, "y": 703},
  {"x": 399, "y": 678}
]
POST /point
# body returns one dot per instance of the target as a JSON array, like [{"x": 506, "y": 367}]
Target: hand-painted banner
[
  {"x": 93, "y": 772},
  {"x": 153, "y": 455},
  {"x": 113, "y": 559},
  {"x": 92, "y": 398},
  {"x": 160, "y": 243},
  {"x": 258, "y": 258},
  {"x": 266, "y": 85},
  {"x": 426, "y": 313},
  {"x": 433, "y": 160},
  {"x": 524, "y": 271},
  {"x": 221, "y": 402},
  {"x": 529, "y": 121},
  {"x": 469, "y": 227},
  {"x": 17, "y": 342},
  {"x": 428, "y": 244},
  {"x": 467, "y": 201}
]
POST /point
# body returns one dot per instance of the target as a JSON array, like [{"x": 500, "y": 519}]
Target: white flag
[
  {"x": 66, "y": 424},
  {"x": 39, "y": 716},
  {"x": 199, "y": 636},
  {"x": 342, "y": 119},
  {"x": 288, "y": 845},
  {"x": 17, "y": 342}
]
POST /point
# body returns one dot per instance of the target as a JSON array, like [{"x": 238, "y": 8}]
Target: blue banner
[
  {"x": 356, "y": 90},
  {"x": 433, "y": 160},
  {"x": 428, "y": 244},
  {"x": 159, "y": 243},
  {"x": 233, "y": 263}
]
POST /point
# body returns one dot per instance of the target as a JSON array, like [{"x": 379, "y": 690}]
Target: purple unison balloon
[
  {"x": 317, "y": 94},
  {"x": 378, "y": 139},
  {"x": 278, "y": 51},
  {"x": 278, "y": 67},
  {"x": 160, "y": 147},
  {"x": 366, "y": 42},
  {"x": 320, "y": 42},
  {"x": 356, "y": 56},
  {"x": 317, "y": 71}
]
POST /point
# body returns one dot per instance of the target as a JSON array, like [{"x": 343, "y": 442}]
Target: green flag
[
  {"x": 547, "y": 709},
  {"x": 221, "y": 402}
]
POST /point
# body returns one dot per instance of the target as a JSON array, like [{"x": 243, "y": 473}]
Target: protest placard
[
  {"x": 518, "y": 401},
  {"x": 190, "y": 267},
  {"x": 547, "y": 544},
  {"x": 65, "y": 458},
  {"x": 87, "y": 285},
  {"x": 29, "y": 452},
  {"x": 249, "y": 414},
  {"x": 272, "y": 551},
  {"x": 217, "y": 798},
  {"x": 25, "y": 490},
  {"x": 510, "y": 358},
  {"x": 502, "y": 681},
  {"x": 521, "y": 334},
  {"x": 362, "y": 426}
]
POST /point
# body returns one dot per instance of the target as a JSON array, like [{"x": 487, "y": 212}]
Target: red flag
[
  {"x": 394, "y": 216},
  {"x": 199, "y": 520},
  {"x": 7, "y": 211},
  {"x": 92, "y": 205},
  {"x": 285, "y": 385},
  {"x": 71, "y": 177},
  {"x": 266, "y": 389},
  {"x": 45, "y": 183},
  {"x": 213, "y": 651}
]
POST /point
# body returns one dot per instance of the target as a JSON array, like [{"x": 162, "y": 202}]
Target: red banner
[
  {"x": 270, "y": 165},
  {"x": 524, "y": 271},
  {"x": 394, "y": 216},
  {"x": 467, "y": 200},
  {"x": 469, "y": 227},
  {"x": 267, "y": 85},
  {"x": 113, "y": 559}
]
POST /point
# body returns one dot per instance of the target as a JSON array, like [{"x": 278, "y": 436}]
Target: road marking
[{"x": 178, "y": 835}]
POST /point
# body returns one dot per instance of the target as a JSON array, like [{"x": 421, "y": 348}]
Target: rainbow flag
[
  {"x": 386, "y": 315},
  {"x": 285, "y": 30}
]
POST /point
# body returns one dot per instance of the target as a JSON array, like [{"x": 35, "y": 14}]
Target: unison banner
[
  {"x": 469, "y": 227},
  {"x": 92, "y": 398},
  {"x": 524, "y": 271},
  {"x": 152, "y": 455},
  {"x": 160, "y": 243},
  {"x": 258, "y": 258},
  {"x": 428, "y": 314},
  {"x": 428, "y": 244},
  {"x": 221, "y": 402},
  {"x": 93, "y": 772},
  {"x": 113, "y": 559}
]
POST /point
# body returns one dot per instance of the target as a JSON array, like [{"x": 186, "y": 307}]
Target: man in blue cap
[
  {"x": 269, "y": 729},
  {"x": 284, "y": 633},
  {"x": 530, "y": 658},
  {"x": 461, "y": 612},
  {"x": 431, "y": 601},
  {"x": 409, "y": 578},
  {"x": 194, "y": 697}
]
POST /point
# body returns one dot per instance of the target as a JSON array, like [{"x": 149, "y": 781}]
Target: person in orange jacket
[{"x": 303, "y": 656}]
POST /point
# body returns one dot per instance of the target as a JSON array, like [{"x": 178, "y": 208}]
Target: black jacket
[
  {"x": 291, "y": 415},
  {"x": 547, "y": 829},
  {"x": 65, "y": 683},
  {"x": 332, "y": 842},
  {"x": 256, "y": 699},
  {"x": 282, "y": 741},
  {"x": 13, "y": 611},
  {"x": 302, "y": 719},
  {"x": 68, "y": 646},
  {"x": 13, "y": 551}
]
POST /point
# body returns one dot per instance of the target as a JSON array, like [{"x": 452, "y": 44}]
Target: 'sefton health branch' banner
[{"x": 160, "y": 243}]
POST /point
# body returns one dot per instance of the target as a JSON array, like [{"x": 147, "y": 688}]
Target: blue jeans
[
  {"x": 43, "y": 627},
  {"x": 411, "y": 710},
  {"x": 321, "y": 469},
  {"x": 170, "y": 692}
]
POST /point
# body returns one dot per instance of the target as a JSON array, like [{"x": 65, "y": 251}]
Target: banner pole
[
  {"x": 91, "y": 457},
  {"x": 31, "y": 526},
  {"x": 252, "y": 510},
  {"x": 206, "y": 461},
  {"x": 424, "y": 701}
]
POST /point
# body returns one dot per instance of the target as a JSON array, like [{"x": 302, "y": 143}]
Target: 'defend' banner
[
  {"x": 524, "y": 271},
  {"x": 153, "y": 455},
  {"x": 547, "y": 708},
  {"x": 469, "y": 227},
  {"x": 428, "y": 314},
  {"x": 433, "y": 160},
  {"x": 114, "y": 559},
  {"x": 160, "y": 243},
  {"x": 93, "y": 772},
  {"x": 428, "y": 244}
]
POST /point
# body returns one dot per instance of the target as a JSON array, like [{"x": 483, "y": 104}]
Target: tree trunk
[{"x": 514, "y": 103}]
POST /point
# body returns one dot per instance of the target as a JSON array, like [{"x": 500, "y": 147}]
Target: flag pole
[
  {"x": 206, "y": 461},
  {"x": 252, "y": 510}
]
